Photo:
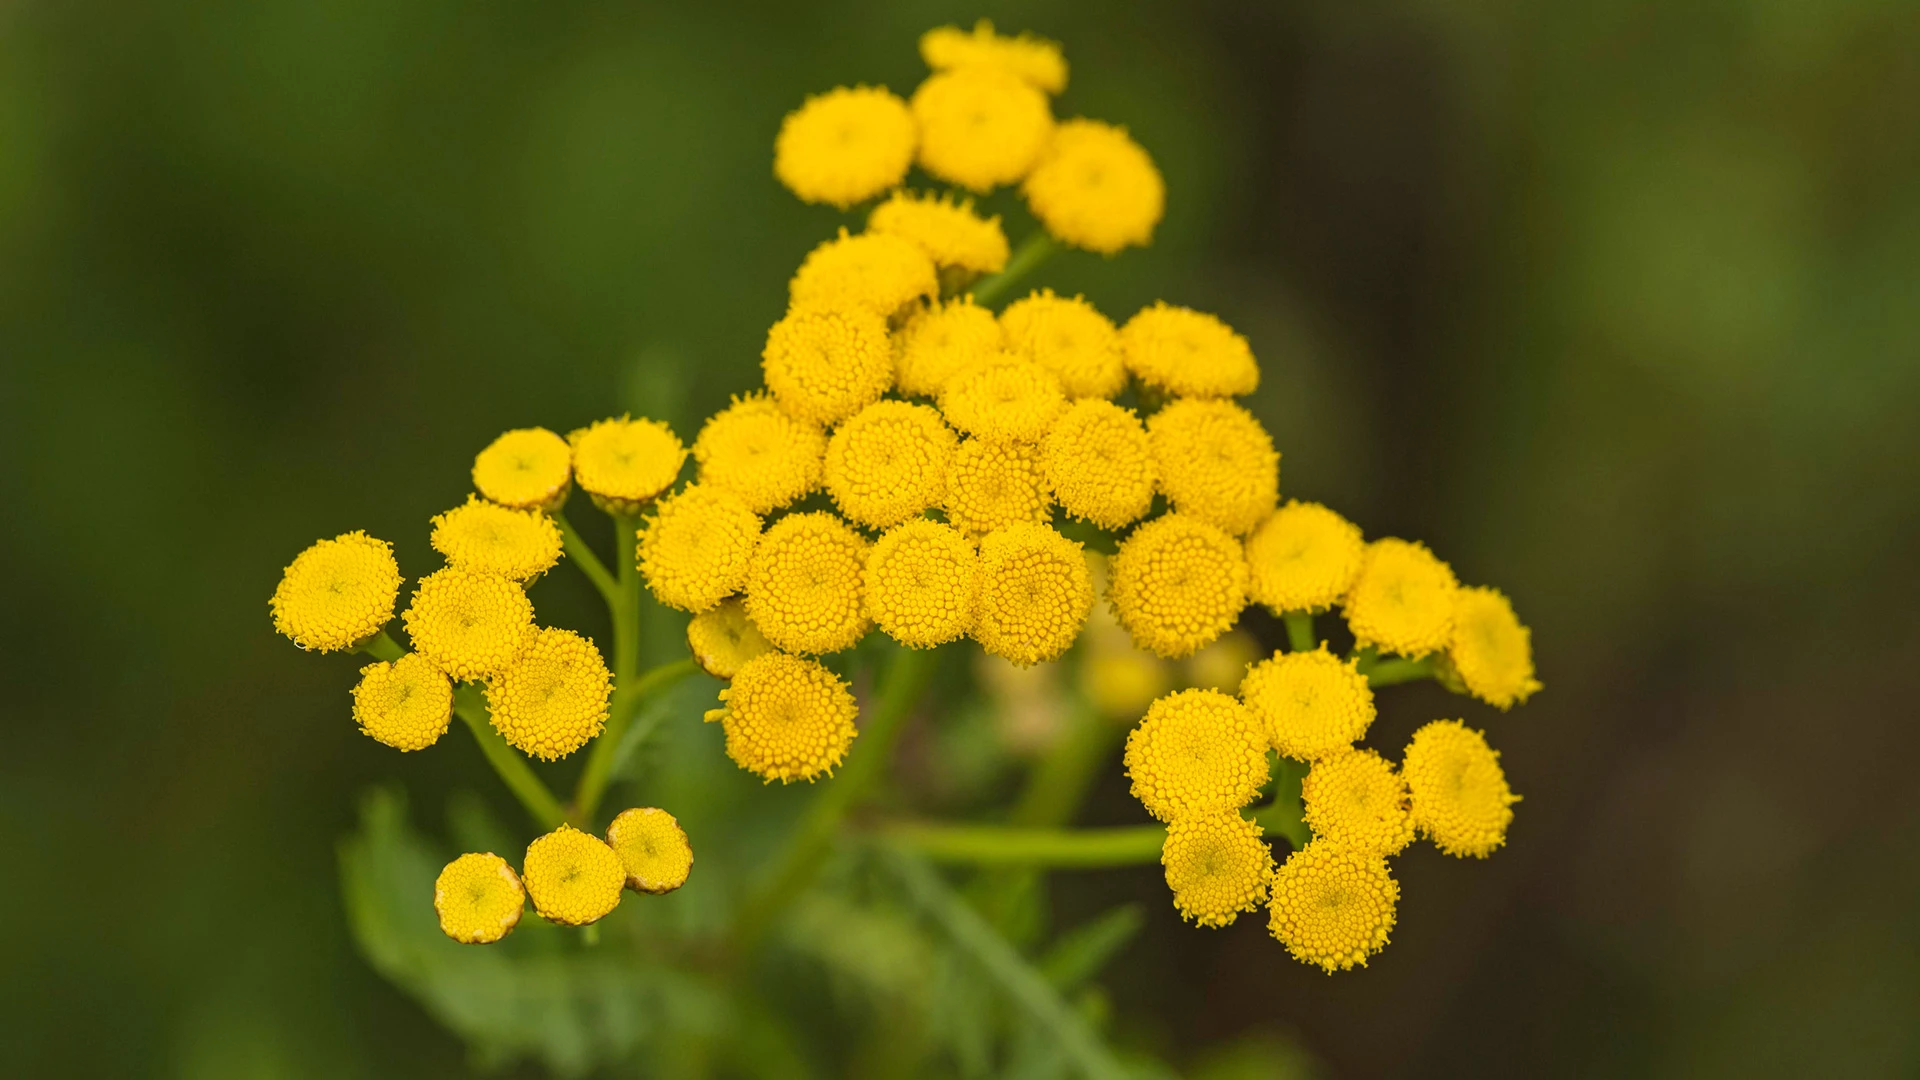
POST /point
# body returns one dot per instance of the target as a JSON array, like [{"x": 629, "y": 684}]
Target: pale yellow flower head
[
  {"x": 1095, "y": 188},
  {"x": 573, "y": 877},
  {"x": 845, "y": 146},
  {"x": 495, "y": 539},
  {"x": 1311, "y": 703},
  {"x": 1188, "y": 353},
  {"x": 653, "y": 848},
  {"x": 753, "y": 449},
  {"x": 920, "y": 583},
  {"x": 1356, "y": 799},
  {"x": 1460, "y": 798},
  {"x": 624, "y": 464},
  {"x": 1403, "y": 599},
  {"x": 949, "y": 231},
  {"x": 1304, "y": 557},
  {"x": 805, "y": 589},
  {"x": 1033, "y": 592},
  {"x": 1333, "y": 907},
  {"x": 1491, "y": 652},
  {"x": 940, "y": 341},
  {"x": 478, "y": 898},
  {"x": 526, "y": 467},
  {"x": 786, "y": 718},
  {"x": 337, "y": 593},
  {"x": 406, "y": 704},
  {"x": 991, "y": 485},
  {"x": 553, "y": 698},
  {"x": 695, "y": 547},
  {"x": 1215, "y": 462},
  {"x": 1196, "y": 752},
  {"x": 1070, "y": 338},
  {"x": 1006, "y": 398},
  {"x": 1034, "y": 59},
  {"x": 471, "y": 625},
  {"x": 1217, "y": 865},
  {"x": 724, "y": 639},
  {"x": 889, "y": 462},
  {"x": 980, "y": 127},
  {"x": 1223, "y": 664},
  {"x": 1178, "y": 584},
  {"x": 1099, "y": 464},
  {"x": 823, "y": 365},
  {"x": 878, "y": 272}
]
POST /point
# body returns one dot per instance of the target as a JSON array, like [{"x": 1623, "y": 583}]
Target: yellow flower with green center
[
  {"x": 1403, "y": 599},
  {"x": 1217, "y": 866},
  {"x": 653, "y": 848},
  {"x": 1304, "y": 557},
  {"x": 471, "y": 625},
  {"x": 1354, "y": 798},
  {"x": 1215, "y": 462},
  {"x": 1036, "y": 60},
  {"x": 920, "y": 583},
  {"x": 1005, "y": 398},
  {"x": 1032, "y": 596},
  {"x": 825, "y": 364},
  {"x": 1491, "y": 653},
  {"x": 695, "y": 548},
  {"x": 1099, "y": 464},
  {"x": 495, "y": 539},
  {"x": 786, "y": 718},
  {"x": 573, "y": 877},
  {"x": 980, "y": 127},
  {"x": 1459, "y": 793},
  {"x": 1095, "y": 188},
  {"x": 879, "y": 272},
  {"x": 1070, "y": 338},
  {"x": 478, "y": 898},
  {"x": 724, "y": 639},
  {"x": 526, "y": 467},
  {"x": 845, "y": 146},
  {"x": 1311, "y": 703},
  {"x": 1196, "y": 752},
  {"x": 1333, "y": 907},
  {"x": 337, "y": 593},
  {"x": 940, "y": 341},
  {"x": 1187, "y": 353},
  {"x": 992, "y": 485},
  {"x": 1178, "y": 584},
  {"x": 405, "y": 704},
  {"x": 756, "y": 451},
  {"x": 889, "y": 462},
  {"x": 625, "y": 464},
  {"x": 804, "y": 584},
  {"x": 553, "y": 698},
  {"x": 948, "y": 230}
]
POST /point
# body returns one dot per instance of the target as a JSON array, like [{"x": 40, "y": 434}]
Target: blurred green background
[{"x": 1615, "y": 304}]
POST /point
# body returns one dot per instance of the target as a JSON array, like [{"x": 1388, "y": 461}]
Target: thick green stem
[
  {"x": 1033, "y": 251},
  {"x": 1300, "y": 636},
  {"x": 1284, "y": 815},
  {"x": 1398, "y": 669},
  {"x": 381, "y": 646},
  {"x": 589, "y": 563},
  {"x": 606, "y": 751},
  {"x": 1015, "y": 846},
  {"x": 470, "y": 706}
]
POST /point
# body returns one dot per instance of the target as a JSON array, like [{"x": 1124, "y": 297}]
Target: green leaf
[{"x": 1080, "y": 953}]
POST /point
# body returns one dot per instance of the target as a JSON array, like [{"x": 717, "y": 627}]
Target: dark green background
[{"x": 1615, "y": 304}]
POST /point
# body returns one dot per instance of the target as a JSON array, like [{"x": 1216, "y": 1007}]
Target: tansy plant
[{"x": 931, "y": 462}]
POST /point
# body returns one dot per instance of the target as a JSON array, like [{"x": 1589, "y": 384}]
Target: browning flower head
[
  {"x": 1099, "y": 463},
  {"x": 804, "y": 586},
  {"x": 1403, "y": 599},
  {"x": 573, "y": 877},
  {"x": 1491, "y": 652},
  {"x": 753, "y": 449},
  {"x": 653, "y": 848},
  {"x": 1005, "y": 398},
  {"x": 337, "y": 593},
  {"x": 478, "y": 898},
  {"x": 920, "y": 582},
  {"x": 1032, "y": 593},
  {"x": 1333, "y": 907},
  {"x": 1188, "y": 353},
  {"x": 1069, "y": 338},
  {"x": 1034, "y": 59},
  {"x": 1311, "y": 703},
  {"x": 624, "y": 464},
  {"x": 825, "y": 364},
  {"x": 1459, "y": 793},
  {"x": 526, "y": 467},
  {"x": 1178, "y": 584},
  {"x": 1303, "y": 558},
  {"x": 1217, "y": 866},
  {"x": 786, "y": 718},
  {"x": 942, "y": 340},
  {"x": 494, "y": 539},
  {"x": 889, "y": 463},
  {"x": 992, "y": 485},
  {"x": 724, "y": 639},
  {"x": 553, "y": 698},
  {"x": 1215, "y": 462},
  {"x": 470, "y": 624},
  {"x": 949, "y": 231},
  {"x": 1095, "y": 188},
  {"x": 406, "y": 704},
  {"x": 878, "y": 272},
  {"x": 845, "y": 146},
  {"x": 1196, "y": 752},
  {"x": 1355, "y": 799},
  {"x": 695, "y": 548},
  {"x": 980, "y": 127}
]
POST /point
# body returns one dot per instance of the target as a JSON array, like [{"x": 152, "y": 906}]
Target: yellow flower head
[
  {"x": 1312, "y": 703},
  {"x": 823, "y": 365},
  {"x": 654, "y": 849},
  {"x": 478, "y": 898},
  {"x": 1460, "y": 796},
  {"x": 1178, "y": 583},
  {"x": 1196, "y": 752},
  {"x": 1099, "y": 464},
  {"x": 919, "y": 581},
  {"x": 804, "y": 587},
  {"x": 1303, "y": 558},
  {"x": 1122, "y": 684},
  {"x": 406, "y": 704},
  {"x": 879, "y": 272},
  {"x": 786, "y": 718},
  {"x": 1005, "y": 398},
  {"x": 948, "y": 231},
  {"x": 695, "y": 548},
  {"x": 526, "y": 467},
  {"x": 337, "y": 593},
  {"x": 756, "y": 451},
  {"x": 1216, "y": 462},
  {"x": 471, "y": 625},
  {"x": 889, "y": 463},
  {"x": 494, "y": 539},
  {"x": 1491, "y": 652},
  {"x": 1069, "y": 338},
  {"x": 1095, "y": 188},
  {"x": 942, "y": 340},
  {"x": 992, "y": 485},
  {"x": 980, "y": 127},
  {"x": 1188, "y": 353},
  {"x": 1217, "y": 866},
  {"x": 553, "y": 698},
  {"x": 574, "y": 877},
  {"x": 1333, "y": 907},
  {"x": 845, "y": 146},
  {"x": 1403, "y": 599},
  {"x": 626, "y": 463},
  {"x": 724, "y": 639},
  {"x": 1354, "y": 798},
  {"x": 1032, "y": 593},
  {"x": 1036, "y": 60}
]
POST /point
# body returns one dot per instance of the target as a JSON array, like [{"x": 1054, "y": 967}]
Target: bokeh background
[{"x": 1616, "y": 304}]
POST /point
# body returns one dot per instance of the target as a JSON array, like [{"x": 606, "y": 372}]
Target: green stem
[
  {"x": 1398, "y": 669},
  {"x": 470, "y": 706},
  {"x": 1300, "y": 636},
  {"x": 584, "y": 558},
  {"x": 1015, "y": 846},
  {"x": 1059, "y": 782},
  {"x": 606, "y": 751},
  {"x": 381, "y": 646},
  {"x": 1033, "y": 251},
  {"x": 1285, "y": 815}
]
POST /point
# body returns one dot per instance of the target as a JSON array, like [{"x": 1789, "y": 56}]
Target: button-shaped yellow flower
[
  {"x": 1178, "y": 584},
  {"x": 1006, "y": 398},
  {"x": 1187, "y": 353},
  {"x": 626, "y": 463},
  {"x": 786, "y": 718},
  {"x": 1070, "y": 338},
  {"x": 949, "y": 231},
  {"x": 1196, "y": 752},
  {"x": 889, "y": 462},
  {"x": 1460, "y": 796},
  {"x": 478, "y": 898},
  {"x": 941, "y": 341},
  {"x": 1034, "y": 59},
  {"x": 553, "y": 698},
  {"x": 1099, "y": 464},
  {"x": 980, "y": 127},
  {"x": 804, "y": 584},
  {"x": 753, "y": 449},
  {"x": 526, "y": 467},
  {"x": 845, "y": 146},
  {"x": 337, "y": 593},
  {"x": 695, "y": 548},
  {"x": 1095, "y": 188},
  {"x": 1403, "y": 599},
  {"x": 823, "y": 365},
  {"x": 1304, "y": 557},
  {"x": 1355, "y": 798},
  {"x": 1491, "y": 652},
  {"x": 876, "y": 271},
  {"x": 1333, "y": 907},
  {"x": 1311, "y": 703},
  {"x": 724, "y": 639},
  {"x": 573, "y": 877},
  {"x": 1215, "y": 462},
  {"x": 653, "y": 847},
  {"x": 1217, "y": 866},
  {"x": 992, "y": 485},
  {"x": 470, "y": 624},
  {"x": 405, "y": 704},
  {"x": 495, "y": 539},
  {"x": 1032, "y": 596},
  {"x": 920, "y": 583}
]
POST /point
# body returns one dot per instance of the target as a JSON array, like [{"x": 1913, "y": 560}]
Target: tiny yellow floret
[
  {"x": 1312, "y": 703},
  {"x": 1178, "y": 584},
  {"x": 1491, "y": 652},
  {"x": 920, "y": 583},
  {"x": 980, "y": 127},
  {"x": 1460, "y": 796},
  {"x": 949, "y": 231},
  {"x": 1095, "y": 188},
  {"x": 889, "y": 462},
  {"x": 1196, "y": 752},
  {"x": 1215, "y": 462},
  {"x": 553, "y": 699},
  {"x": 1304, "y": 557},
  {"x": 804, "y": 584},
  {"x": 653, "y": 847},
  {"x": 845, "y": 146},
  {"x": 1070, "y": 338},
  {"x": 1354, "y": 798},
  {"x": 1005, "y": 398},
  {"x": 724, "y": 639},
  {"x": 1217, "y": 865},
  {"x": 1034, "y": 59},
  {"x": 495, "y": 539},
  {"x": 337, "y": 593},
  {"x": 1099, "y": 463},
  {"x": 573, "y": 877},
  {"x": 1333, "y": 907},
  {"x": 478, "y": 898},
  {"x": 695, "y": 548},
  {"x": 526, "y": 467},
  {"x": 992, "y": 485},
  {"x": 1403, "y": 599},
  {"x": 941, "y": 341},
  {"x": 470, "y": 624},
  {"x": 753, "y": 449},
  {"x": 825, "y": 364},
  {"x": 786, "y": 718},
  {"x": 1033, "y": 593},
  {"x": 1187, "y": 353},
  {"x": 626, "y": 463},
  {"x": 406, "y": 704},
  {"x": 879, "y": 272}
]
